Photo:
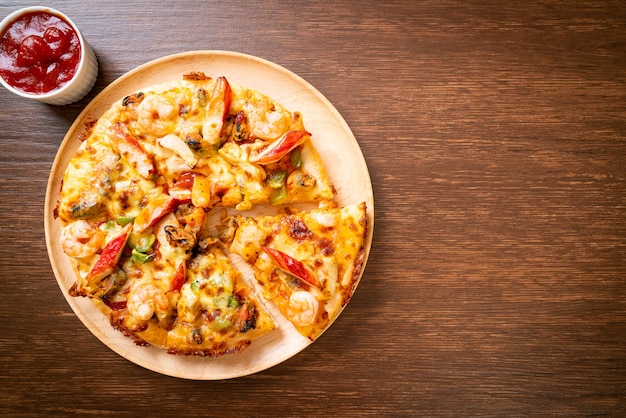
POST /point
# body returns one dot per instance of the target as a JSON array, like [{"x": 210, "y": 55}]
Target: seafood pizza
[{"x": 135, "y": 206}]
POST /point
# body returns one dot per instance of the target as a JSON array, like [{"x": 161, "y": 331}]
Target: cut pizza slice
[
  {"x": 221, "y": 144},
  {"x": 296, "y": 175},
  {"x": 190, "y": 303},
  {"x": 217, "y": 314},
  {"x": 308, "y": 262},
  {"x": 267, "y": 155}
]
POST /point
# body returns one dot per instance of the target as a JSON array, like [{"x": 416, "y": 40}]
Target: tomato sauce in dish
[{"x": 39, "y": 52}]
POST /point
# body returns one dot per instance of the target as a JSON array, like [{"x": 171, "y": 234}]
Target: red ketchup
[{"x": 39, "y": 53}]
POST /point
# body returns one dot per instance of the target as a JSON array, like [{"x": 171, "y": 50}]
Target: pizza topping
[
  {"x": 327, "y": 219},
  {"x": 247, "y": 317},
  {"x": 177, "y": 145},
  {"x": 80, "y": 239},
  {"x": 159, "y": 205},
  {"x": 185, "y": 180},
  {"x": 181, "y": 189},
  {"x": 300, "y": 180},
  {"x": 201, "y": 192},
  {"x": 145, "y": 299},
  {"x": 178, "y": 279},
  {"x": 89, "y": 205},
  {"x": 123, "y": 220},
  {"x": 196, "y": 76},
  {"x": 278, "y": 149},
  {"x": 133, "y": 99},
  {"x": 292, "y": 266},
  {"x": 191, "y": 217},
  {"x": 141, "y": 242},
  {"x": 265, "y": 120},
  {"x": 143, "y": 257},
  {"x": 109, "y": 285},
  {"x": 129, "y": 148},
  {"x": 276, "y": 179},
  {"x": 142, "y": 247},
  {"x": 278, "y": 196},
  {"x": 249, "y": 237},
  {"x": 219, "y": 105},
  {"x": 179, "y": 237},
  {"x": 298, "y": 230},
  {"x": 303, "y": 308},
  {"x": 156, "y": 115},
  {"x": 194, "y": 140},
  {"x": 201, "y": 96},
  {"x": 296, "y": 158},
  {"x": 233, "y": 153},
  {"x": 241, "y": 131},
  {"x": 111, "y": 253}
]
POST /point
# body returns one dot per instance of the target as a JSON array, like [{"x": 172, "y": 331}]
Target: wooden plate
[{"x": 334, "y": 141}]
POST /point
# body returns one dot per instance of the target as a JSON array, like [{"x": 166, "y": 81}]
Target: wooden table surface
[{"x": 495, "y": 136}]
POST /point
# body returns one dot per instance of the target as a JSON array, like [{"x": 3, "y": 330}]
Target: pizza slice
[
  {"x": 222, "y": 144},
  {"x": 217, "y": 313},
  {"x": 307, "y": 263},
  {"x": 177, "y": 291},
  {"x": 271, "y": 154}
]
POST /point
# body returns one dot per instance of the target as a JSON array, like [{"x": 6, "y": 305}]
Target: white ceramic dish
[{"x": 332, "y": 137}]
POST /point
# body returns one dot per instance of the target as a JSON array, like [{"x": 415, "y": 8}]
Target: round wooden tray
[{"x": 332, "y": 138}]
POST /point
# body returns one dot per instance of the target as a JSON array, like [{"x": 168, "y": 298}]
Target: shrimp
[
  {"x": 80, "y": 239},
  {"x": 156, "y": 115},
  {"x": 303, "y": 308},
  {"x": 145, "y": 300},
  {"x": 265, "y": 121}
]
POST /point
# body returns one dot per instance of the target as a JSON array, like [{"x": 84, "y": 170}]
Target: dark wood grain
[{"x": 495, "y": 135}]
